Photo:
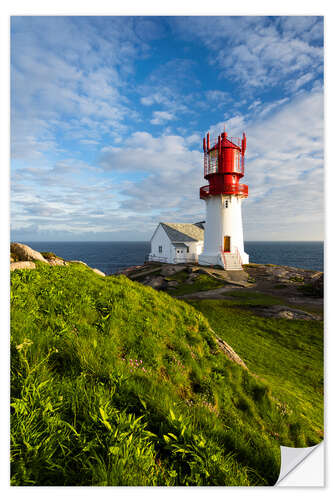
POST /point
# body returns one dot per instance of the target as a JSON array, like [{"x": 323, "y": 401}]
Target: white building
[{"x": 176, "y": 243}]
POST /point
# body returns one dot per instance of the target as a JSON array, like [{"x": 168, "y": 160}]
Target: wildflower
[{"x": 25, "y": 343}]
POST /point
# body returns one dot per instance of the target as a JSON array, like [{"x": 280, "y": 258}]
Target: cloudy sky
[{"x": 108, "y": 115}]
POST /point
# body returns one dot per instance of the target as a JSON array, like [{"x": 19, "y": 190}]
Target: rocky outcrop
[
  {"x": 23, "y": 257},
  {"x": 317, "y": 283},
  {"x": 229, "y": 352},
  {"x": 97, "y": 271},
  {"x": 169, "y": 270},
  {"x": 25, "y": 253},
  {"x": 284, "y": 312},
  {"x": 27, "y": 264},
  {"x": 56, "y": 261},
  {"x": 156, "y": 282}
]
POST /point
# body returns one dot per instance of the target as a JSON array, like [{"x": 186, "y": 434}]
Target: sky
[{"x": 108, "y": 116}]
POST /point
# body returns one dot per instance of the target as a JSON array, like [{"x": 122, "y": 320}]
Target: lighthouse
[{"x": 223, "y": 168}]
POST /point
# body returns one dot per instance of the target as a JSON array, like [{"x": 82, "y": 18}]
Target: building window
[
  {"x": 187, "y": 250},
  {"x": 160, "y": 249}
]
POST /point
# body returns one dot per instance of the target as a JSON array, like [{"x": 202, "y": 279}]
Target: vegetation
[
  {"x": 200, "y": 283},
  {"x": 287, "y": 355},
  {"x": 114, "y": 383}
]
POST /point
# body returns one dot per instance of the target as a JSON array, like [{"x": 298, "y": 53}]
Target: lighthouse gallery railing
[{"x": 241, "y": 189}]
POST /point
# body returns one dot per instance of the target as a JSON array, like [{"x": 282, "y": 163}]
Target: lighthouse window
[
  {"x": 160, "y": 249},
  {"x": 226, "y": 203}
]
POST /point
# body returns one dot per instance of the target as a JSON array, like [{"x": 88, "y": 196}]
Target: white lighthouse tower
[{"x": 223, "y": 168}]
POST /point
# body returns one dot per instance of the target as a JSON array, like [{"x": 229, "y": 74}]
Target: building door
[{"x": 226, "y": 246}]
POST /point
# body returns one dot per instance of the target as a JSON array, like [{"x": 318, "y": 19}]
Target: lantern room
[{"x": 224, "y": 166}]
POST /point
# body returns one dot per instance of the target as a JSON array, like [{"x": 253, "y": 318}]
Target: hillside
[{"x": 114, "y": 383}]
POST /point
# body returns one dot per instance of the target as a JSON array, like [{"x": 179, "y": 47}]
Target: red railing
[
  {"x": 239, "y": 189},
  {"x": 223, "y": 257},
  {"x": 239, "y": 258}
]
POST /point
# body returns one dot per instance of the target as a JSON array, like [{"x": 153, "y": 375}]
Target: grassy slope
[
  {"x": 288, "y": 355},
  {"x": 116, "y": 384}
]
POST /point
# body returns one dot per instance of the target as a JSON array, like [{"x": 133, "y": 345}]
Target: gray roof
[
  {"x": 179, "y": 245},
  {"x": 183, "y": 232}
]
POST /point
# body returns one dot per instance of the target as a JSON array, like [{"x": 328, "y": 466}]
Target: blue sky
[{"x": 108, "y": 115}]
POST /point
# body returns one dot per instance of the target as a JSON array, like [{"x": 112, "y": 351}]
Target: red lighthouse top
[{"x": 224, "y": 166}]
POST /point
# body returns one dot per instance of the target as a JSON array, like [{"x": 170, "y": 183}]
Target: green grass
[
  {"x": 201, "y": 283},
  {"x": 288, "y": 355},
  {"x": 113, "y": 383}
]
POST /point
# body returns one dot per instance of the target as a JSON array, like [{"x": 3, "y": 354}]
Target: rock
[
  {"x": 284, "y": 312},
  {"x": 157, "y": 282},
  {"x": 172, "y": 284},
  {"x": 78, "y": 262},
  {"x": 22, "y": 265},
  {"x": 170, "y": 270},
  {"x": 192, "y": 269},
  {"x": 55, "y": 261},
  {"x": 97, "y": 271},
  {"x": 285, "y": 315},
  {"x": 318, "y": 285},
  {"x": 229, "y": 352},
  {"x": 25, "y": 253}
]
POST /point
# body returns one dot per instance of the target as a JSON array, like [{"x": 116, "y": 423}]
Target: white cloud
[
  {"x": 62, "y": 68},
  {"x": 254, "y": 51},
  {"x": 161, "y": 117}
]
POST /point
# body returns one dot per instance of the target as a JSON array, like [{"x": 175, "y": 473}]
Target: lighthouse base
[
  {"x": 229, "y": 262},
  {"x": 206, "y": 259}
]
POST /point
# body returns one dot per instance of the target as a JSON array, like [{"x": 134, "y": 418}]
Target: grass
[
  {"x": 201, "y": 283},
  {"x": 287, "y": 355},
  {"x": 113, "y": 383}
]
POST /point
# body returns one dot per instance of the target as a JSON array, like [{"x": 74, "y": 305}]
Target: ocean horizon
[{"x": 113, "y": 256}]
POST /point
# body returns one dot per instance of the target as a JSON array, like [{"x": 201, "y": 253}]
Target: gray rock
[
  {"x": 173, "y": 284},
  {"x": 318, "y": 285},
  {"x": 229, "y": 352},
  {"x": 55, "y": 261},
  {"x": 22, "y": 265},
  {"x": 170, "y": 270},
  {"x": 78, "y": 262},
  {"x": 157, "y": 282},
  {"x": 285, "y": 315},
  {"x": 25, "y": 253}
]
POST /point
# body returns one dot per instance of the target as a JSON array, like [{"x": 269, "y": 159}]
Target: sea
[{"x": 114, "y": 256}]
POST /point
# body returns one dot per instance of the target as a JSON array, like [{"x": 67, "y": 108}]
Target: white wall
[
  {"x": 222, "y": 220},
  {"x": 169, "y": 252},
  {"x": 213, "y": 231},
  {"x": 160, "y": 238}
]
